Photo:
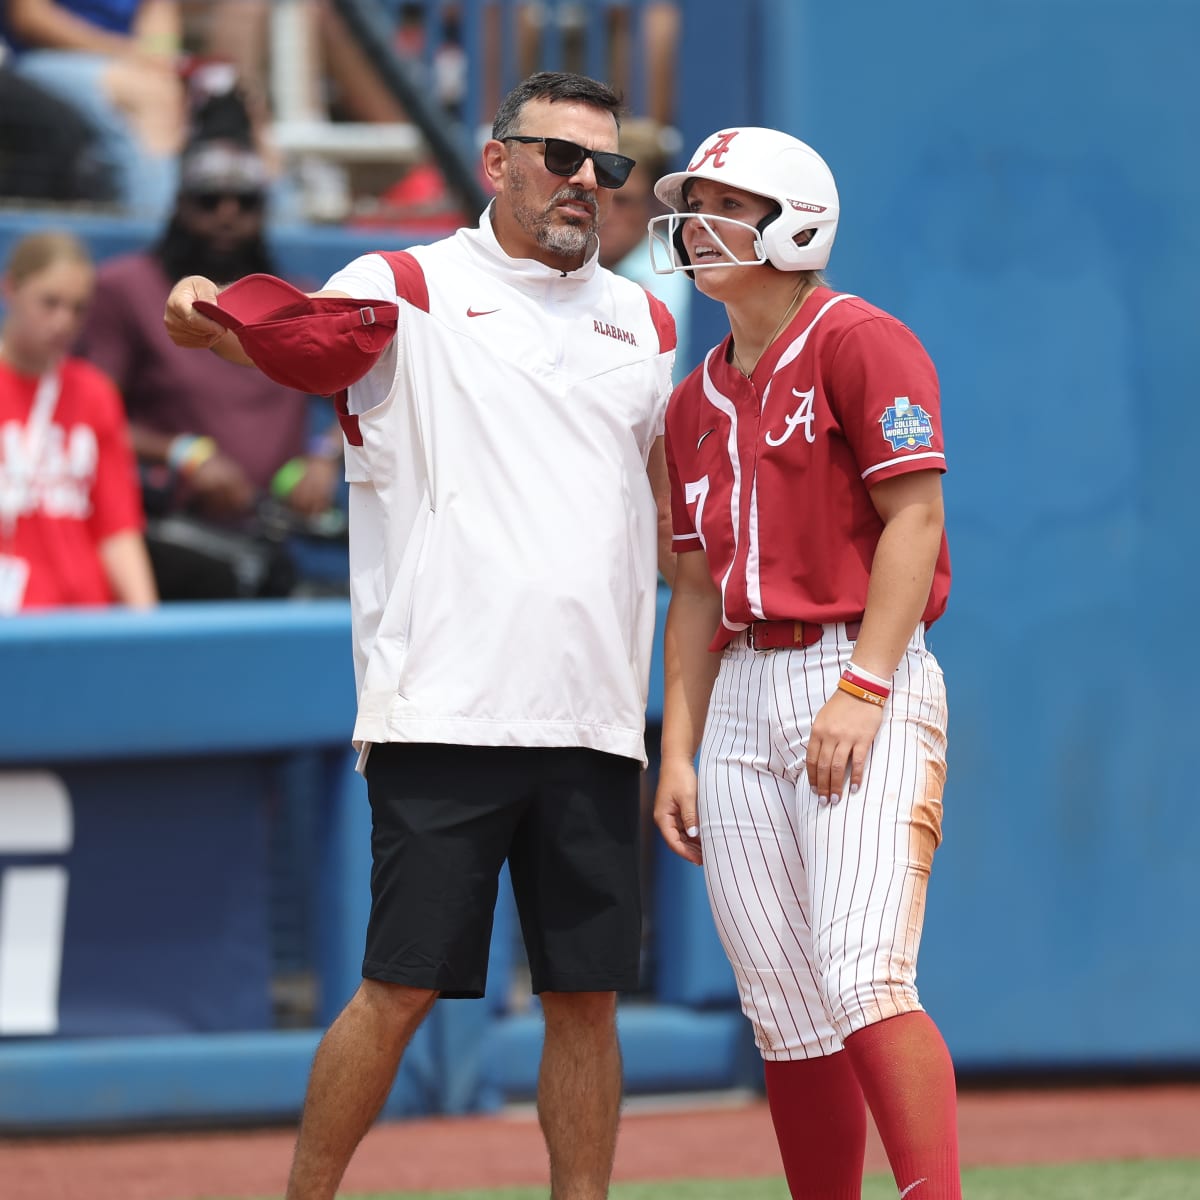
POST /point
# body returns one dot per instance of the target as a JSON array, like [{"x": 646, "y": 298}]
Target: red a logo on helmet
[{"x": 716, "y": 151}]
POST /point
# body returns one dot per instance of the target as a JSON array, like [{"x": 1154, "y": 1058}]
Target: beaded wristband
[
  {"x": 187, "y": 452},
  {"x": 861, "y": 693},
  {"x": 177, "y": 449}
]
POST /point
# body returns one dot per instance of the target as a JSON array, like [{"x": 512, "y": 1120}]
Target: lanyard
[{"x": 16, "y": 478}]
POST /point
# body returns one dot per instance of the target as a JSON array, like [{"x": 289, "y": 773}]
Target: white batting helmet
[{"x": 770, "y": 164}]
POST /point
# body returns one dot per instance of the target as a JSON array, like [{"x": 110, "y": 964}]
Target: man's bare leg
[
  {"x": 352, "y": 1073},
  {"x": 579, "y": 1092}
]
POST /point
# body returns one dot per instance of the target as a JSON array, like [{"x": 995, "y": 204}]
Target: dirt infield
[{"x": 719, "y": 1141}]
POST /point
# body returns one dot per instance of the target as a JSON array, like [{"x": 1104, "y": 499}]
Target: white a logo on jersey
[{"x": 803, "y": 415}]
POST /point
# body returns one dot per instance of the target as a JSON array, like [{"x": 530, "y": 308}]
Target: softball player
[{"x": 805, "y": 456}]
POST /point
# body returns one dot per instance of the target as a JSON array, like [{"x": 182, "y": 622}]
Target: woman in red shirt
[
  {"x": 805, "y": 456},
  {"x": 70, "y": 510}
]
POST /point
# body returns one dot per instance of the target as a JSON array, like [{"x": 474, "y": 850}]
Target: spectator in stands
[
  {"x": 336, "y": 76},
  {"x": 47, "y": 149},
  {"x": 213, "y": 440},
  {"x": 306, "y": 66},
  {"x": 655, "y": 25},
  {"x": 113, "y": 62},
  {"x": 70, "y": 515},
  {"x": 659, "y": 32},
  {"x": 624, "y": 241}
]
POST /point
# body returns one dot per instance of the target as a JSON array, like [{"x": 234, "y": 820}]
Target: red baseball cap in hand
[{"x": 313, "y": 344}]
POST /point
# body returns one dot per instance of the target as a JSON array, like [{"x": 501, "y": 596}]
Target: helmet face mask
[
  {"x": 667, "y": 254},
  {"x": 767, "y": 163}
]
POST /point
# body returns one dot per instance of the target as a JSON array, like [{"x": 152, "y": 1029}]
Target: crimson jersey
[
  {"x": 771, "y": 475},
  {"x": 80, "y": 488}
]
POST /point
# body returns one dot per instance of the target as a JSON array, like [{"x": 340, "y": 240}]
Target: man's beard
[
  {"x": 554, "y": 235},
  {"x": 182, "y": 252}
]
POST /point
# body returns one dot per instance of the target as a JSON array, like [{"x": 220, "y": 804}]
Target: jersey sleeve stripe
[
  {"x": 907, "y": 458},
  {"x": 411, "y": 285},
  {"x": 664, "y": 324}
]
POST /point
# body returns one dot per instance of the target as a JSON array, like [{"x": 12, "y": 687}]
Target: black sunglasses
[
  {"x": 247, "y": 202},
  {"x": 565, "y": 158}
]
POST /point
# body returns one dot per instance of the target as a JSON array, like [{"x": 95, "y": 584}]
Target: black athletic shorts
[{"x": 445, "y": 818}]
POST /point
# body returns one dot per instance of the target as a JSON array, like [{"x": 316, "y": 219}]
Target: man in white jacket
[{"x": 508, "y": 492}]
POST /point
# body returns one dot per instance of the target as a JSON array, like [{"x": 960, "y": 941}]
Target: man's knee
[
  {"x": 580, "y": 1011},
  {"x": 393, "y": 1002}
]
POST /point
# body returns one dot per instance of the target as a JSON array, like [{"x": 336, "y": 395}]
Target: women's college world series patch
[{"x": 906, "y": 425}]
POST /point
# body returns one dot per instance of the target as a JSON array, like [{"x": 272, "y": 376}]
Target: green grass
[{"x": 1151, "y": 1180}]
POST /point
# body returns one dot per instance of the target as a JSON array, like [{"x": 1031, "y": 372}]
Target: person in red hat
[{"x": 502, "y": 397}]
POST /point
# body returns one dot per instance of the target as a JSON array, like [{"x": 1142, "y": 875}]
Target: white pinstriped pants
[{"x": 819, "y": 907}]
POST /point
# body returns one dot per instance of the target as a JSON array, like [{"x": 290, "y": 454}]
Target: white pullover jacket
[{"x": 503, "y": 530}]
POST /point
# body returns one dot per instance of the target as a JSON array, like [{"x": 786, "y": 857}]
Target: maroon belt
[{"x": 778, "y": 635}]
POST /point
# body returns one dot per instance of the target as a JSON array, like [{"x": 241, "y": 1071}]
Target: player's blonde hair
[{"x": 34, "y": 253}]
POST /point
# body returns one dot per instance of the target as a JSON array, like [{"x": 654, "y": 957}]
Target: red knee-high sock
[
  {"x": 820, "y": 1123},
  {"x": 906, "y": 1074}
]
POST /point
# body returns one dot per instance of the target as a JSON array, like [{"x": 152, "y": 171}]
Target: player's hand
[
  {"x": 842, "y": 734},
  {"x": 221, "y": 487},
  {"x": 185, "y": 326},
  {"x": 675, "y": 808}
]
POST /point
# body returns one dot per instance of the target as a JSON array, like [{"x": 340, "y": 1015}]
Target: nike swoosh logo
[
  {"x": 484, "y": 313},
  {"x": 910, "y": 1187},
  {"x": 703, "y": 436}
]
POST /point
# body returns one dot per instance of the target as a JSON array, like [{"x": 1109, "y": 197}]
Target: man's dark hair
[{"x": 554, "y": 85}]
